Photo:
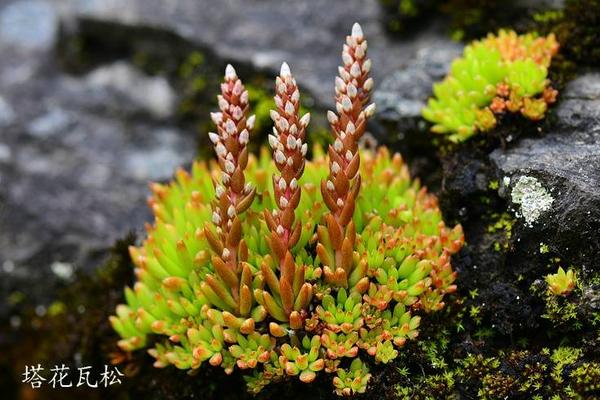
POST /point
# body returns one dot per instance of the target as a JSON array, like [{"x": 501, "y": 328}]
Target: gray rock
[
  {"x": 566, "y": 165},
  {"x": 7, "y": 114},
  {"x": 29, "y": 24},
  {"x": 51, "y": 123},
  {"x": 152, "y": 94},
  {"x": 307, "y": 34},
  {"x": 75, "y": 162},
  {"x": 402, "y": 95}
]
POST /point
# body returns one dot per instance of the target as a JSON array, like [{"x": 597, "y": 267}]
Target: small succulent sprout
[
  {"x": 352, "y": 381},
  {"x": 562, "y": 283},
  {"x": 252, "y": 349},
  {"x": 303, "y": 362},
  {"x": 339, "y": 345},
  {"x": 342, "y": 314},
  {"x": 498, "y": 74},
  {"x": 284, "y": 267}
]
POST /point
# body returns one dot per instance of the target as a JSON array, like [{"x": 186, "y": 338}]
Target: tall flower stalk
[
  {"x": 289, "y": 294},
  {"x": 340, "y": 190},
  {"x": 232, "y": 280}
]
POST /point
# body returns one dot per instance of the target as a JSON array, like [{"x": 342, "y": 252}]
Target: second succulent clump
[
  {"x": 288, "y": 267},
  {"x": 501, "y": 73}
]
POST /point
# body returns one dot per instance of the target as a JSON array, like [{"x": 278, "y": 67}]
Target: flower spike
[
  {"x": 340, "y": 190},
  {"x": 232, "y": 280},
  {"x": 292, "y": 294}
]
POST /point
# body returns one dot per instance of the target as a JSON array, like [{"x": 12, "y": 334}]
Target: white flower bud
[
  {"x": 274, "y": 115},
  {"x": 285, "y": 70},
  {"x": 332, "y": 118},
  {"x": 349, "y": 156},
  {"x": 359, "y": 52},
  {"x": 219, "y": 191},
  {"x": 335, "y": 167},
  {"x": 223, "y": 104},
  {"x": 220, "y": 149},
  {"x": 291, "y": 142},
  {"x": 213, "y": 137},
  {"x": 290, "y": 161},
  {"x": 347, "y": 58},
  {"x": 244, "y": 137},
  {"x": 231, "y": 211},
  {"x": 351, "y": 90},
  {"x": 283, "y": 202},
  {"x": 294, "y": 184},
  {"x": 216, "y": 218},
  {"x": 357, "y": 32},
  {"x": 279, "y": 157},
  {"x": 225, "y": 255},
  {"x": 217, "y": 117},
  {"x": 230, "y": 127},
  {"x": 248, "y": 187},
  {"x": 282, "y": 124},
  {"x": 344, "y": 74},
  {"x": 282, "y": 185},
  {"x": 237, "y": 113},
  {"x": 346, "y": 103},
  {"x": 278, "y": 101},
  {"x": 244, "y": 97},
  {"x": 338, "y": 145},
  {"x": 229, "y": 167},
  {"x": 273, "y": 141},
  {"x": 368, "y": 85},
  {"x": 330, "y": 185},
  {"x": 340, "y": 203},
  {"x": 305, "y": 120},
  {"x": 350, "y": 128},
  {"x": 250, "y": 122},
  {"x": 237, "y": 88},
  {"x": 289, "y": 108},
  {"x": 370, "y": 110},
  {"x": 230, "y": 73},
  {"x": 280, "y": 230},
  {"x": 295, "y": 96},
  {"x": 304, "y": 149},
  {"x": 366, "y": 66},
  {"x": 355, "y": 70},
  {"x": 340, "y": 85}
]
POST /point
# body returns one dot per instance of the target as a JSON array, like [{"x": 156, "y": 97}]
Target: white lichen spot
[
  {"x": 533, "y": 198},
  {"x": 62, "y": 270}
]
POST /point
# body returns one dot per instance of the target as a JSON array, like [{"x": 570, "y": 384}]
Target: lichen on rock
[{"x": 532, "y": 198}]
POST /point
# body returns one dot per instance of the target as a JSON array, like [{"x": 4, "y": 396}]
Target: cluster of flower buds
[
  {"x": 233, "y": 196},
  {"x": 289, "y": 293},
  {"x": 340, "y": 189}
]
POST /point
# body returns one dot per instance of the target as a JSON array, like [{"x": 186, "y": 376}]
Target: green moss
[
  {"x": 576, "y": 28},
  {"x": 502, "y": 227}
]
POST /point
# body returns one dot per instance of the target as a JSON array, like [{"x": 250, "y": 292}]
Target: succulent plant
[
  {"x": 501, "y": 73},
  {"x": 283, "y": 266},
  {"x": 562, "y": 283}
]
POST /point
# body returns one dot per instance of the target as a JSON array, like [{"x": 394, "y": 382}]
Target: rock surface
[
  {"x": 565, "y": 161},
  {"x": 76, "y": 154},
  {"x": 307, "y": 34}
]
